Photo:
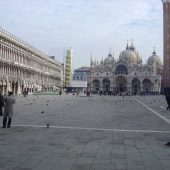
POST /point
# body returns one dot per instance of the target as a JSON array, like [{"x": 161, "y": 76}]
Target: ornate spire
[
  {"x": 127, "y": 47},
  {"x": 132, "y": 47},
  {"x": 91, "y": 59},
  {"x": 110, "y": 52},
  {"x": 101, "y": 61}
]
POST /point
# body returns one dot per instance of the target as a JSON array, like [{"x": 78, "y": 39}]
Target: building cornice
[
  {"x": 165, "y": 1},
  {"x": 23, "y": 44}
]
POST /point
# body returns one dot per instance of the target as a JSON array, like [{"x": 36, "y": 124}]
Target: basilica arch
[
  {"x": 121, "y": 84},
  {"x": 147, "y": 85},
  {"x": 96, "y": 85},
  {"x": 135, "y": 85},
  {"x": 121, "y": 69},
  {"x": 106, "y": 84}
]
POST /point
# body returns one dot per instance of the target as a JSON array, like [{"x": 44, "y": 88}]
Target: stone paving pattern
[{"x": 92, "y": 145}]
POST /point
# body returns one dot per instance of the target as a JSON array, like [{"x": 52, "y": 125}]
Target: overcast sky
[{"x": 88, "y": 26}]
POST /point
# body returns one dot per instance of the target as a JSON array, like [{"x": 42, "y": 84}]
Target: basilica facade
[
  {"x": 127, "y": 74},
  {"x": 23, "y": 68}
]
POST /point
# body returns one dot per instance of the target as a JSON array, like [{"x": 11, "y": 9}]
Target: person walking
[
  {"x": 168, "y": 101},
  {"x": 1, "y": 104},
  {"x": 8, "y": 110}
]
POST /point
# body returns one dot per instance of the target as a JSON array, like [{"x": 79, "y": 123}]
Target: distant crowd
[{"x": 120, "y": 93}]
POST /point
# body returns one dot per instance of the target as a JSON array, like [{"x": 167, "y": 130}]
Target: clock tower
[{"x": 166, "y": 30}]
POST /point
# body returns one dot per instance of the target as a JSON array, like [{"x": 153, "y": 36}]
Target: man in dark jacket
[
  {"x": 168, "y": 101},
  {"x": 8, "y": 109},
  {"x": 1, "y": 104}
]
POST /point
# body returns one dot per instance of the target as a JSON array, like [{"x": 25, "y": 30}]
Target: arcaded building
[
  {"x": 127, "y": 74},
  {"x": 23, "y": 68}
]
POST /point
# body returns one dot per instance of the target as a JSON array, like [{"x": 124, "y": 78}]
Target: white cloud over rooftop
[{"x": 86, "y": 25}]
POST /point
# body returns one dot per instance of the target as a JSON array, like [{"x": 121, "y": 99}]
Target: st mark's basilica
[{"x": 127, "y": 74}]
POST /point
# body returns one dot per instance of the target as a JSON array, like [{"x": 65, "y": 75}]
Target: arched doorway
[
  {"x": 106, "y": 85},
  {"x": 135, "y": 85},
  {"x": 96, "y": 85},
  {"x": 13, "y": 87},
  {"x": 121, "y": 84},
  {"x": 16, "y": 88},
  {"x": 147, "y": 85}
]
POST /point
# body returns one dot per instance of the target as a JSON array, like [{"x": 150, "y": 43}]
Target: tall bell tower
[{"x": 166, "y": 44}]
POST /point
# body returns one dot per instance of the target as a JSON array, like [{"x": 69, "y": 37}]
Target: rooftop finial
[
  {"x": 154, "y": 51},
  {"x": 110, "y": 51}
]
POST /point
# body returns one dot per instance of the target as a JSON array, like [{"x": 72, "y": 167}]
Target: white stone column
[
  {"x": 19, "y": 88},
  {"x": 8, "y": 86}
]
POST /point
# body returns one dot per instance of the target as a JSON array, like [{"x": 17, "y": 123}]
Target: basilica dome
[
  {"x": 110, "y": 60},
  {"x": 154, "y": 59},
  {"x": 128, "y": 56}
]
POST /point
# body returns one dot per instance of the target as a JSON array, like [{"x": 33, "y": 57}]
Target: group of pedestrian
[{"x": 6, "y": 109}]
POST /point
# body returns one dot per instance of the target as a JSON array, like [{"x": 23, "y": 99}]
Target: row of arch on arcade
[
  {"x": 18, "y": 87},
  {"x": 14, "y": 86},
  {"x": 145, "y": 85}
]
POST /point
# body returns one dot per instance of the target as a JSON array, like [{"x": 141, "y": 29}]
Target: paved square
[{"x": 87, "y": 133}]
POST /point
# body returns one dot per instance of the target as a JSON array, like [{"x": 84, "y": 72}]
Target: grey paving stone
[
  {"x": 134, "y": 165},
  {"x": 129, "y": 142},
  {"x": 4, "y": 160},
  {"x": 99, "y": 147},
  {"x": 29, "y": 163},
  {"x": 103, "y": 166},
  {"x": 10, "y": 165},
  {"x": 118, "y": 156},
  {"x": 165, "y": 164},
  {"x": 88, "y": 155},
  {"x": 120, "y": 163},
  {"x": 103, "y": 156},
  {"x": 150, "y": 162},
  {"x": 119, "y": 148},
  {"x": 81, "y": 167},
  {"x": 83, "y": 161}
]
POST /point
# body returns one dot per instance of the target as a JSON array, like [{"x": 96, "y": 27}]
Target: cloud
[{"x": 86, "y": 25}]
